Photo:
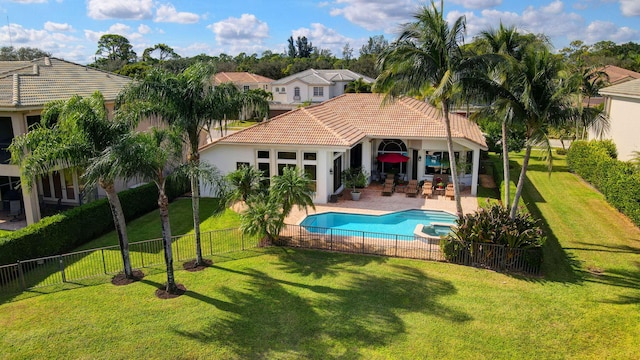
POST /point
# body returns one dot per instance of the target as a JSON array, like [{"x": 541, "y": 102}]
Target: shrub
[
  {"x": 561, "y": 151},
  {"x": 618, "y": 181},
  {"x": 72, "y": 228}
]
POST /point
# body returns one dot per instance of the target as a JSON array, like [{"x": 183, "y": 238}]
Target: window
[
  {"x": 286, "y": 155},
  {"x": 241, "y": 164},
  {"x": 245, "y": 88},
  {"x": 309, "y": 156},
  {"x": 296, "y": 93},
  {"x": 318, "y": 91},
  {"x": 264, "y": 165},
  {"x": 263, "y": 154},
  {"x": 437, "y": 162},
  {"x": 277, "y": 89},
  {"x": 310, "y": 170}
]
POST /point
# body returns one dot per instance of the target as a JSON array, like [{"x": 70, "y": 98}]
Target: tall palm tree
[
  {"x": 427, "y": 54},
  {"x": 539, "y": 95},
  {"x": 188, "y": 102},
  {"x": 70, "y": 135},
  {"x": 152, "y": 155}
]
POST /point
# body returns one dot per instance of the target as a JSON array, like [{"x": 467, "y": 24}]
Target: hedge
[
  {"x": 65, "y": 231},
  {"x": 618, "y": 181}
]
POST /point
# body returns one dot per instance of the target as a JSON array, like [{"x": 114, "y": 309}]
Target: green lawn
[{"x": 296, "y": 304}]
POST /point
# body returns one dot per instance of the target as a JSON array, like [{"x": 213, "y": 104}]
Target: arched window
[{"x": 392, "y": 145}]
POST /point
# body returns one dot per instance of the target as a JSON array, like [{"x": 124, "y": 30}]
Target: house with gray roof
[
  {"x": 314, "y": 86},
  {"x": 25, "y": 86},
  {"x": 353, "y": 130},
  {"x": 622, "y": 105}
]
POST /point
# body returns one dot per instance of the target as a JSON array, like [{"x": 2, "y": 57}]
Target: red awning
[{"x": 393, "y": 158}]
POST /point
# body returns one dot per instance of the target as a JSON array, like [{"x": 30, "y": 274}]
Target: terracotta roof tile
[
  {"x": 346, "y": 119},
  {"x": 618, "y": 74}
]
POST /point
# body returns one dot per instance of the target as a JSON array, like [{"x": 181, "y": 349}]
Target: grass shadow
[
  {"x": 317, "y": 264},
  {"x": 275, "y": 318}
]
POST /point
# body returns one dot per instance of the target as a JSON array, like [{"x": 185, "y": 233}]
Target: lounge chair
[
  {"x": 412, "y": 188},
  {"x": 388, "y": 187},
  {"x": 449, "y": 192},
  {"x": 427, "y": 189}
]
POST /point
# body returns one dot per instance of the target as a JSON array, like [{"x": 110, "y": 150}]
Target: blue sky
[{"x": 71, "y": 29}]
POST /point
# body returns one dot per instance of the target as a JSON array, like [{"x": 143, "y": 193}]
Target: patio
[
  {"x": 8, "y": 222},
  {"x": 372, "y": 202}
]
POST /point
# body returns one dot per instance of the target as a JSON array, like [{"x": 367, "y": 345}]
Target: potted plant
[{"x": 354, "y": 178}]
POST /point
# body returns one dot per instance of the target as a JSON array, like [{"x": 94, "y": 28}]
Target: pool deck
[{"x": 372, "y": 202}]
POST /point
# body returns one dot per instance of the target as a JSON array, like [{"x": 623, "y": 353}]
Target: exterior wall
[
  {"x": 625, "y": 125},
  {"x": 337, "y": 88},
  {"x": 306, "y": 93},
  {"x": 225, "y": 157}
]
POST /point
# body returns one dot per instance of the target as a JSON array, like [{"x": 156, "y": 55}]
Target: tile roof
[
  {"x": 323, "y": 77},
  {"x": 34, "y": 83},
  {"x": 346, "y": 119},
  {"x": 618, "y": 74},
  {"x": 240, "y": 77},
  {"x": 626, "y": 89}
]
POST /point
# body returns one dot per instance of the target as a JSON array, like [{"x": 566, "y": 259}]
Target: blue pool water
[{"x": 399, "y": 223}]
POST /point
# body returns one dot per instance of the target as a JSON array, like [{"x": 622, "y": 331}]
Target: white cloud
[
  {"x": 51, "y": 26},
  {"x": 144, "y": 29},
  {"x": 477, "y": 4},
  {"x": 120, "y": 9},
  {"x": 630, "y": 7},
  {"x": 246, "y": 29},
  {"x": 323, "y": 37},
  {"x": 58, "y": 44},
  {"x": 376, "y": 14},
  {"x": 117, "y": 28},
  {"x": 605, "y": 30},
  {"x": 168, "y": 13}
]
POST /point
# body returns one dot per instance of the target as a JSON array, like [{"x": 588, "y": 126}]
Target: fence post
[
  {"x": 104, "y": 263},
  {"x": 210, "y": 244},
  {"x": 21, "y": 276},
  {"x": 142, "y": 256},
  {"x": 242, "y": 239},
  {"x": 330, "y": 239},
  {"x": 363, "y": 242},
  {"x": 64, "y": 278},
  {"x": 396, "y": 254}
]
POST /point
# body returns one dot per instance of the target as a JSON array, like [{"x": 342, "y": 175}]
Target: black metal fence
[
  {"x": 81, "y": 265},
  {"x": 490, "y": 256}
]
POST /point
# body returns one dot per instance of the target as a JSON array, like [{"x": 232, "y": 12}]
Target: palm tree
[
  {"x": 150, "y": 156},
  {"x": 427, "y": 54},
  {"x": 71, "y": 134},
  {"x": 244, "y": 182},
  {"x": 358, "y": 86},
  {"x": 188, "y": 102}
]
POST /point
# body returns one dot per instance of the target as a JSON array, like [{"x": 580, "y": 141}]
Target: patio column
[
  {"x": 366, "y": 158},
  {"x": 476, "y": 169},
  {"x": 31, "y": 204}
]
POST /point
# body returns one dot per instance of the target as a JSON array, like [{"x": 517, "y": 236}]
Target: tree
[
  {"x": 347, "y": 53},
  {"x": 9, "y": 53},
  {"x": 305, "y": 47},
  {"x": 161, "y": 51},
  {"x": 150, "y": 156},
  {"x": 375, "y": 46},
  {"x": 358, "y": 86},
  {"x": 71, "y": 134},
  {"x": 427, "y": 54},
  {"x": 188, "y": 102},
  {"x": 115, "y": 51},
  {"x": 291, "y": 49},
  {"x": 244, "y": 182}
]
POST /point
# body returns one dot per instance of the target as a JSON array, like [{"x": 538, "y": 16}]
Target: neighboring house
[
  {"x": 313, "y": 86},
  {"x": 244, "y": 81},
  {"x": 616, "y": 75},
  {"x": 352, "y": 130},
  {"x": 25, "y": 86},
  {"x": 622, "y": 104}
]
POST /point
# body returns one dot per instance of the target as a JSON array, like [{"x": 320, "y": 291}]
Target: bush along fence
[
  {"x": 72, "y": 228},
  {"x": 82, "y": 265},
  {"x": 618, "y": 181},
  {"x": 497, "y": 257}
]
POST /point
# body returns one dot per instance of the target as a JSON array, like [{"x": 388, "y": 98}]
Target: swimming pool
[{"x": 397, "y": 223}]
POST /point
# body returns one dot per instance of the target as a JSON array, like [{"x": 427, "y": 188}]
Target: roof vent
[
  {"x": 47, "y": 61},
  {"x": 36, "y": 69},
  {"x": 16, "y": 90}
]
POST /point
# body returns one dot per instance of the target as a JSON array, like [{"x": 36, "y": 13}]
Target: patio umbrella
[{"x": 393, "y": 158}]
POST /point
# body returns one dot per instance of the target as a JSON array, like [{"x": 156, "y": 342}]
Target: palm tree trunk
[
  {"x": 523, "y": 173},
  {"x": 163, "y": 205},
  {"x": 452, "y": 159},
  {"x": 505, "y": 165},
  {"x": 195, "y": 208},
  {"x": 120, "y": 225}
]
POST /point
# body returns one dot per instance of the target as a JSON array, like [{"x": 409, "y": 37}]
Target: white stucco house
[
  {"x": 244, "y": 81},
  {"x": 313, "y": 86},
  {"x": 622, "y": 104},
  {"x": 25, "y": 86},
  {"x": 351, "y": 130}
]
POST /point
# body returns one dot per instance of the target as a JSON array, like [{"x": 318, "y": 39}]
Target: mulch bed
[
  {"x": 163, "y": 294},
  {"x": 121, "y": 279},
  {"x": 192, "y": 267}
]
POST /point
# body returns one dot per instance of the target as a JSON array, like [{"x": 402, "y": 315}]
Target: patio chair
[
  {"x": 449, "y": 192},
  {"x": 427, "y": 189},
  {"x": 412, "y": 188},
  {"x": 388, "y": 187}
]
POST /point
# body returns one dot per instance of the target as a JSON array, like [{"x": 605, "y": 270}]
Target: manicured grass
[{"x": 285, "y": 303}]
